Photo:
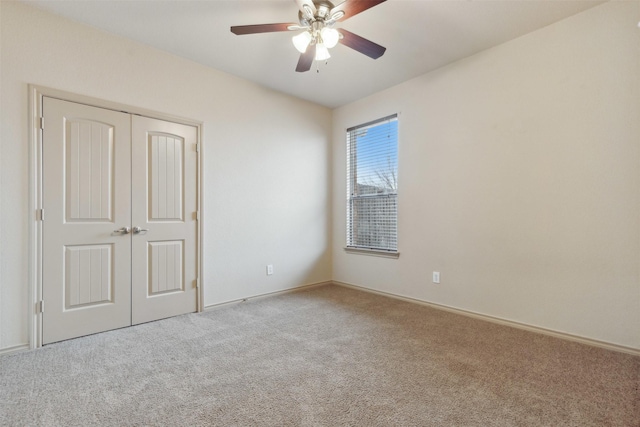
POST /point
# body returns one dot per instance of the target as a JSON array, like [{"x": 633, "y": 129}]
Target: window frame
[{"x": 350, "y": 247}]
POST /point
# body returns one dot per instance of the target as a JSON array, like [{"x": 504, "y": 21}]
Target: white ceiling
[{"x": 420, "y": 36}]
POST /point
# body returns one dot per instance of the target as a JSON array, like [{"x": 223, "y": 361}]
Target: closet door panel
[
  {"x": 86, "y": 265},
  {"x": 164, "y": 204}
]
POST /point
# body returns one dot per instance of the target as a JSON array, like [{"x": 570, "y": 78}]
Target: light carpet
[{"x": 324, "y": 356}]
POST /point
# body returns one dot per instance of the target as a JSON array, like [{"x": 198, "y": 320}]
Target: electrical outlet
[
  {"x": 269, "y": 269},
  {"x": 436, "y": 277}
]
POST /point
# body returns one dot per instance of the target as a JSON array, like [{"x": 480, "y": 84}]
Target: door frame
[{"x": 36, "y": 95}]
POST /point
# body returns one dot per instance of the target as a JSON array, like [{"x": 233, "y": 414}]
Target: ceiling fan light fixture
[
  {"x": 301, "y": 41},
  {"x": 316, "y": 19},
  {"x": 330, "y": 37},
  {"x": 322, "y": 53}
]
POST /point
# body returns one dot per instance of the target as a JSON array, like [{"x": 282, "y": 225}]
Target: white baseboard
[
  {"x": 14, "y": 349},
  {"x": 268, "y": 294},
  {"x": 524, "y": 326}
]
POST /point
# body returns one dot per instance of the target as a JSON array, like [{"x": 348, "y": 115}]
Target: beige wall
[
  {"x": 519, "y": 180},
  {"x": 266, "y": 156}
]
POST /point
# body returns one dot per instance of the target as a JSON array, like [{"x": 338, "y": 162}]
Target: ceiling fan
[{"x": 317, "y": 18}]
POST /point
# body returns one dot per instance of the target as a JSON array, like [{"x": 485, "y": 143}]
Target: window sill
[{"x": 372, "y": 252}]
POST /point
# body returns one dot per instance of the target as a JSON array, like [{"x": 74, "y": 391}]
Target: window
[{"x": 372, "y": 186}]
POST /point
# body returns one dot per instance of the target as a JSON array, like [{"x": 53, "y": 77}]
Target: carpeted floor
[{"x": 325, "y": 356}]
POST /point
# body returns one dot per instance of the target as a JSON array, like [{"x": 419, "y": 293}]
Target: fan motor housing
[{"x": 323, "y": 7}]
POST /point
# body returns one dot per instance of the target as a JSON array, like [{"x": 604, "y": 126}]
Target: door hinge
[
  {"x": 41, "y": 214},
  {"x": 41, "y": 122},
  {"x": 197, "y": 215},
  {"x": 197, "y": 283},
  {"x": 40, "y": 307},
  {"x": 197, "y": 147}
]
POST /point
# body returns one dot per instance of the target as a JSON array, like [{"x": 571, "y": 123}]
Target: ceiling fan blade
[
  {"x": 260, "y": 28},
  {"x": 307, "y": 8},
  {"x": 353, "y": 7},
  {"x": 306, "y": 59},
  {"x": 362, "y": 45}
]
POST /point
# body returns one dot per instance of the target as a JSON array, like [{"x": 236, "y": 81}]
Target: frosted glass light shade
[
  {"x": 322, "y": 52},
  {"x": 301, "y": 41},
  {"x": 330, "y": 37}
]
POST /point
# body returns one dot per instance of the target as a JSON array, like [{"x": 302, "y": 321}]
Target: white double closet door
[{"x": 119, "y": 228}]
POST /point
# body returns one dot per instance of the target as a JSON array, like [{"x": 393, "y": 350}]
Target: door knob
[
  {"x": 123, "y": 230},
  {"x": 137, "y": 230}
]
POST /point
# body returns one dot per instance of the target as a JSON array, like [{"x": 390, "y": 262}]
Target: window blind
[{"x": 372, "y": 185}]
